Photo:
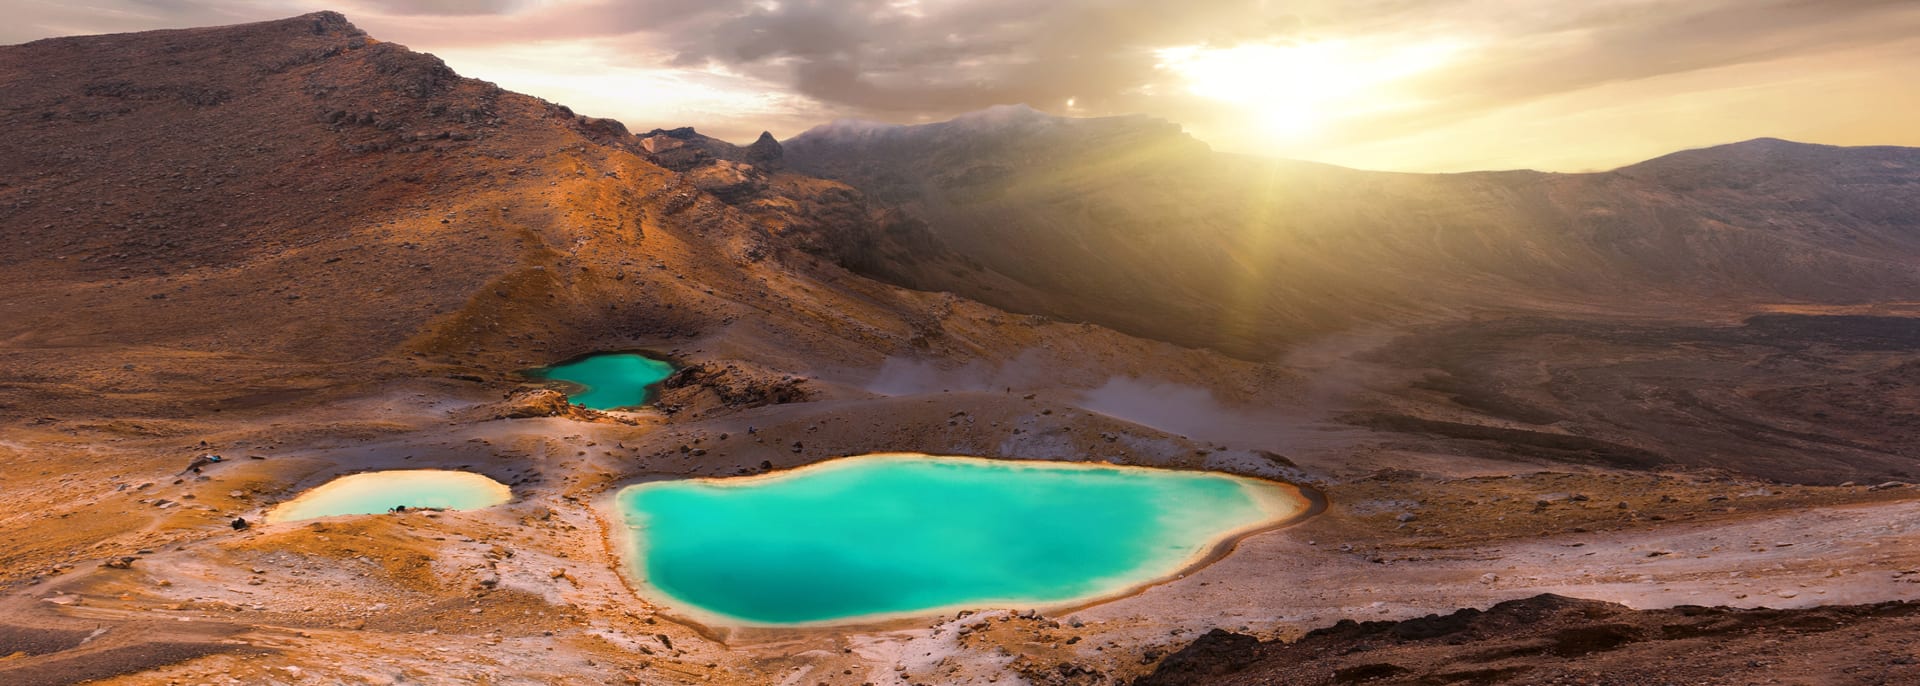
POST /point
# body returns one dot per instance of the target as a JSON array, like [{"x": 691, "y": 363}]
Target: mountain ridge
[
  {"x": 1017, "y": 116},
  {"x": 1308, "y": 248},
  {"x": 242, "y": 262},
  {"x": 346, "y": 210}
]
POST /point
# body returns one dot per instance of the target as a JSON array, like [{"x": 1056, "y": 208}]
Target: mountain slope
[
  {"x": 289, "y": 205},
  {"x": 1130, "y": 223}
]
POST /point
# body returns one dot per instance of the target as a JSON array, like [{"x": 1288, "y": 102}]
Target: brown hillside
[
  {"x": 1128, "y": 222},
  {"x": 285, "y": 205}
]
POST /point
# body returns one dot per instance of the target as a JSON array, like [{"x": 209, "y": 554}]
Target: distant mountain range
[
  {"x": 298, "y": 188},
  {"x": 1128, "y": 222},
  {"x": 319, "y": 253}
]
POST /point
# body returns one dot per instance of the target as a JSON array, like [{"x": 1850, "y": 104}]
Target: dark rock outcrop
[
  {"x": 765, "y": 152},
  {"x": 1213, "y": 655},
  {"x": 1556, "y": 639},
  {"x": 706, "y": 388}
]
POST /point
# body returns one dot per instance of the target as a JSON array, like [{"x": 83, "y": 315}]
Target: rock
[
  {"x": 765, "y": 152},
  {"x": 1215, "y": 654},
  {"x": 661, "y": 143},
  {"x": 556, "y": 573},
  {"x": 1276, "y": 458},
  {"x": 122, "y": 562},
  {"x": 1367, "y": 672},
  {"x": 1405, "y": 517},
  {"x": 202, "y": 461},
  {"x": 703, "y": 387},
  {"x": 544, "y": 402},
  {"x": 534, "y": 402},
  {"x": 240, "y": 523},
  {"x": 1885, "y": 486},
  {"x": 490, "y": 580}
]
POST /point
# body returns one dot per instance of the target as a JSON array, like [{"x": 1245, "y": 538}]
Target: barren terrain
[{"x": 313, "y": 253}]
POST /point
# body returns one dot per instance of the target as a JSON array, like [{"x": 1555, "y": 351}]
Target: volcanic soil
[{"x": 313, "y": 253}]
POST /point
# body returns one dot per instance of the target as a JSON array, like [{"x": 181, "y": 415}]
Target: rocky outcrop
[
  {"x": 1215, "y": 654},
  {"x": 1556, "y": 639},
  {"x": 765, "y": 152},
  {"x": 705, "y": 388},
  {"x": 820, "y": 217},
  {"x": 533, "y": 402},
  {"x": 680, "y": 149},
  {"x": 732, "y": 182}
]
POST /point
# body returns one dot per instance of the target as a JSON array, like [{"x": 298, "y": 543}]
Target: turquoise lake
[
  {"x": 377, "y": 492},
  {"x": 611, "y": 381},
  {"x": 902, "y": 534}
]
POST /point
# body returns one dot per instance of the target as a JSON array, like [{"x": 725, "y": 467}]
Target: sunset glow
[
  {"x": 1292, "y": 90},
  {"x": 1450, "y": 85}
]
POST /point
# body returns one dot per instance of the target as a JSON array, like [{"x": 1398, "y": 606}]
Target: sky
[{"x": 1406, "y": 85}]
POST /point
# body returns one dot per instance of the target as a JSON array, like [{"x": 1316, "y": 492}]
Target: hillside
[
  {"x": 1590, "y": 318},
  {"x": 1130, "y": 223},
  {"x": 242, "y": 262},
  {"x": 290, "y": 205}
]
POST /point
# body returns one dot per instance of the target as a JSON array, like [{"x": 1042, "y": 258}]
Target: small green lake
[
  {"x": 895, "y": 535},
  {"x": 608, "y": 381},
  {"x": 377, "y": 492}
]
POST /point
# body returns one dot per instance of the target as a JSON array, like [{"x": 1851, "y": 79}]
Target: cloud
[
  {"x": 920, "y": 60},
  {"x": 439, "y": 7}
]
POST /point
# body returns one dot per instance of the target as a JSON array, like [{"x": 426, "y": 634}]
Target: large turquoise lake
[
  {"x": 610, "y": 381},
  {"x": 892, "y": 535}
]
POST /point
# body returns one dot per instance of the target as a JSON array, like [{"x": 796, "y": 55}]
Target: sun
[{"x": 1296, "y": 89}]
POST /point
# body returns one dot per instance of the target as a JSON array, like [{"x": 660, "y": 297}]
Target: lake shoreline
[{"x": 1281, "y": 505}]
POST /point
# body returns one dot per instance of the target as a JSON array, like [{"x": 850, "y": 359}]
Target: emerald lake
[
  {"x": 895, "y": 535},
  {"x": 608, "y": 381},
  {"x": 377, "y": 492}
]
